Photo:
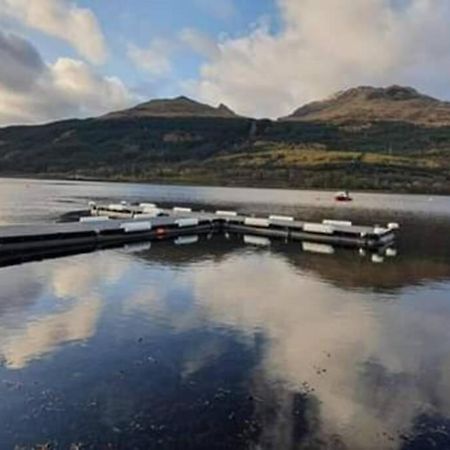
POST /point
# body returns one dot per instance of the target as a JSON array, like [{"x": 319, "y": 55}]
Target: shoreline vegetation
[
  {"x": 377, "y": 184},
  {"x": 270, "y": 171}
]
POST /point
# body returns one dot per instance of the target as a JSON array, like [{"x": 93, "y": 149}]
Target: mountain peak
[
  {"x": 180, "y": 106},
  {"x": 394, "y": 92},
  {"x": 365, "y": 104}
]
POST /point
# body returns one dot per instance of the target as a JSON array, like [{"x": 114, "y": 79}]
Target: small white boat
[{"x": 343, "y": 196}]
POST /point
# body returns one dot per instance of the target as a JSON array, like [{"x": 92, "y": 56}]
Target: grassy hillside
[
  {"x": 195, "y": 143},
  {"x": 368, "y": 104}
]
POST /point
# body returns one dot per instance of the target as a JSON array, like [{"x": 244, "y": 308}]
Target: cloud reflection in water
[
  {"x": 74, "y": 285},
  {"x": 370, "y": 362}
]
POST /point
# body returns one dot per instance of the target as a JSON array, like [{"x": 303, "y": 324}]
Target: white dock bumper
[
  {"x": 148, "y": 213},
  {"x": 313, "y": 247},
  {"x": 149, "y": 208},
  {"x": 116, "y": 207},
  {"x": 185, "y": 240},
  {"x": 318, "y": 228},
  {"x": 343, "y": 223},
  {"x": 281, "y": 218},
  {"x": 132, "y": 227},
  {"x": 187, "y": 222},
  {"x": 226, "y": 213},
  {"x": 376, "y": 258},
  {"x": 148, "y": 205},
  {"x": 391, "y": 252},
  {"x": 256, "y": 222},
  {"x": 256, "y": 240},
  {"x": 182, "y": 210},
  {"x": 90, "y": 219},
  {"x": 380, "y": 230}
]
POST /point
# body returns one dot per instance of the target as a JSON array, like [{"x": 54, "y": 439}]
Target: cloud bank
[
  {"x": 325, "y": 46},
  {"x": 61, "y": 19},
  {"x": 32, "y": 91},
  {"x": 309, "y": 51},
  {"x": 21, "y": 62}
]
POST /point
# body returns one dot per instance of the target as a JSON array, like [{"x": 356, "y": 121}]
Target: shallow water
[{"x": 224, "y": 345}]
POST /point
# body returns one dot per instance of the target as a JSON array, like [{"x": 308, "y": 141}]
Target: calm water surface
[{"x": 224, "y": 345}]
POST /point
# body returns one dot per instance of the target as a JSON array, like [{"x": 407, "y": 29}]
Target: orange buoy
[{"x": 161, "y": 231}]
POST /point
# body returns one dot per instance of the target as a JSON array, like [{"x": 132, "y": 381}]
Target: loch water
[{"x": 214, "y": 342}]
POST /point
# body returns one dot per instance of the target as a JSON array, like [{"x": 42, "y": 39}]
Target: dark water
[{"x": 224, "y": 345}]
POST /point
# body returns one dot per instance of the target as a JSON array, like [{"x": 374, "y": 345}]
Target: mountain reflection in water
[{"x": 218, "y": 344}]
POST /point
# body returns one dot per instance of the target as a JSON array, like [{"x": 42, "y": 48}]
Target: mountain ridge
[
  {"x": 354, "y": 105},
  {"x": 180, "y": 106},
  {"x": 392, "y": 139},
  {"x": 369, "y": 104}
]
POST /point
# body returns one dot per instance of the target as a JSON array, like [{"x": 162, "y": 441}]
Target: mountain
[
  {"x": 176, "y": 107},
  {"x": 392, "y": 139},
  {"x": 367, "y": 104}
]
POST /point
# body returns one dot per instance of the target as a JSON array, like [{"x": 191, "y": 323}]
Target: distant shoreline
[{"x": 205, "y": 183}]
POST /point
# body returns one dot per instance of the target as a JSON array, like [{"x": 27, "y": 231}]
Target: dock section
[
  {"x": 122, "y": 223},
  {"x": 336, "y": 232}
]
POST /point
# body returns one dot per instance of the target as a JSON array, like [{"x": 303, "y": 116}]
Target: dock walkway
[{"x": 131, "y": 223}]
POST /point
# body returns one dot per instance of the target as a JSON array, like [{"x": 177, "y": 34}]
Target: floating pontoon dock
[{"x": 133, "y": 223}]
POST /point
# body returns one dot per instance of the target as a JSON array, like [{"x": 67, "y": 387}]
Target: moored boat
[{"x": 343, "y": 196}]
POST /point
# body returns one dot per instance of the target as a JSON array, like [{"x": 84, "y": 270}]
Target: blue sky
[
  {"x": 263, "y": 58},
  {"x": 138, "y": 22}
]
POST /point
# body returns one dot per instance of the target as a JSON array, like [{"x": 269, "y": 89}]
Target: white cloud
[
  {"x": 78, "y": 84},
  {"x": 199, "y": 42},
  {"x": 34, "y": 92},
  {"x": 154, "y": 59},
  {"x": 62, "y": 19},
  {"x": 326, "y": 46}
]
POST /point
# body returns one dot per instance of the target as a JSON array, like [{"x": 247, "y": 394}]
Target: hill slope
[
  {"x": 368, "y": 104},
  {"x": 364, "y": 138},
  {"x": 176, "y": 107}
]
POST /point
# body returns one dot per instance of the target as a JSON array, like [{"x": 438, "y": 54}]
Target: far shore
[{"x": 239, "y": 184}]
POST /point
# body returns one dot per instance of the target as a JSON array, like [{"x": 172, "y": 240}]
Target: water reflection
[
  {"x": 355, "y": 354},
  {"x": 59, "y": 303},
  {"x": 222, "y": 344}
]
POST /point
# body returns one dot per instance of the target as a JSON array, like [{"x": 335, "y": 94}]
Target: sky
[{"x": 262, "y": 58}]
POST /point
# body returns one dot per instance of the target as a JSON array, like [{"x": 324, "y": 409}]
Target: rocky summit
[
  {"x": 174, "y": 107},
  {"x": 367, "y": 104}
]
